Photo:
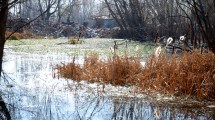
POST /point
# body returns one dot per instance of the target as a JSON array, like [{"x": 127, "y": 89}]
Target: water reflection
[{"x": 31, "y": 93}]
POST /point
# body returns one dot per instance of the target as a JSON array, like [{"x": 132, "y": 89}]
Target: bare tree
[
  {"x": 4, "y": 7},
  {"x": 59, "y": 10},
  {"x": 50, "y": 6},
  {"x": 129, "y": 16},
  {"x": 202, "y": 19}
]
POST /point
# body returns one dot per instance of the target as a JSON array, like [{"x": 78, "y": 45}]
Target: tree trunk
[
  {"x": 2, "y": 42},
  {"x": 41, "y": 10},
  {"x": 3, "y": 21},
  {"x": 59, "y": 14},
  {"x": 4, "y": 109}
]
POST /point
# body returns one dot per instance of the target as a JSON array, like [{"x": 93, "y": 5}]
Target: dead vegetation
[
  {"x": 20, "y": 35},
  {"x": 190, "y": 74}
]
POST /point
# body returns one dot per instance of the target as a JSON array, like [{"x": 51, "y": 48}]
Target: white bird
[
  {"x": 169, "y": 41},
  {"x": 182, "y": 38}
]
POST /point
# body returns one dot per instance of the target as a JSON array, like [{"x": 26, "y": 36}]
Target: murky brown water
[{"x": 31, "y": 93}]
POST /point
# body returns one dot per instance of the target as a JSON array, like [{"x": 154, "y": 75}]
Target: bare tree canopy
[{"x": 145, "y": 19}]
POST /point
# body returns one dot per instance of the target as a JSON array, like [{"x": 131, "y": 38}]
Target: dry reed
[{"x": 191, "y": 74}]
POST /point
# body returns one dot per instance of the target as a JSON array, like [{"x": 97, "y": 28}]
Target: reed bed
[{"x": 190, "y": 74}]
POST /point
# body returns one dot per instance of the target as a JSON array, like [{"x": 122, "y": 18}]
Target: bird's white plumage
[
  {"x": 169, "y": 41},
  {"x": 182, "y": 38}
]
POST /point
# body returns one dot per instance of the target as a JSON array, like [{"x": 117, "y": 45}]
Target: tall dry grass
[
  {"x": 115, "y": 70},
  {"x": 71, "y": 71},
  {"x": 191, "y": 74}
]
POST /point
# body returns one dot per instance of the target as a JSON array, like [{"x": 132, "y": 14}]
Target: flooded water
[{"x": 31, "y": 93}]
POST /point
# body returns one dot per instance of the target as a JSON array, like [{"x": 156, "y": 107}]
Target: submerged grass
[
  {"x": 62, "y": 46},
  {"x": 190, "y": 74}
]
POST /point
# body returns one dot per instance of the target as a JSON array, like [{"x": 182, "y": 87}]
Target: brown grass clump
[
  {"x": 73, "y": 40},
  {"x": 191, "y": 74},
  {"x": 20, "y": 35},
  {"x": 116, "y": 70},
  {"x": 70, "y": 71},
  {"x": 15, "y": 36}
]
